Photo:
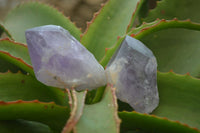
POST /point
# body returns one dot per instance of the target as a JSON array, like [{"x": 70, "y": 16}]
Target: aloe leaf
[
  {"x": 139, "y": 9},
  {"x": 16, "y": 49},
  {"x": 22, "y": 126},
  {"x": 179, "y": 51},
  {"x": 175, "y": 48},
  {"x": 169, "y": 42},
  {"x": 144, "y": 123},
  {"x": 179, "y": 103},
  {"x": 168, "y": 9},
  {"x": 50, "y": 114},
  {"x": 77, "y": 110},
  {"x": 158, "y": 25},
  {"x": 111, "y": 51},
  {"x": 183, "y": 104},
  {"x": 4, "y": 30},
  {"x": 19, "y": 86},
  {"x": 100, "y": 117},
  {"x": 111, "y": 21},
  {"x": 16, "y": 54},
  {"x": 148, "y": 29},
  {"x": 35, "y": 14}
]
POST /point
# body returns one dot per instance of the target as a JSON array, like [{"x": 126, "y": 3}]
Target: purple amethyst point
[
  {"x": 133, "y": 71},
  {"x": 60, "y": 60}
]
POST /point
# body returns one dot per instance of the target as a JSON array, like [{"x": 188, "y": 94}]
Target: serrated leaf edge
[
  {"x": 6, "y": 31},
  {"x": 134, "y": 15},
  {"x": 93, "y": 19},
  {"x": 166, "y": 24},
  {"x": 12, "y": 41},
  {"x": 174, "y": 23},
  {"x": 16, "y": 58},
  {"x": 164, "y": 118},
  {"x": 33, "y": 101}
]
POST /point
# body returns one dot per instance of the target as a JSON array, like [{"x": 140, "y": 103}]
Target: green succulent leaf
[
  {"x": 178, "y": 107},
  {"x": 169, "y": 42},
  {"x": 174, "y": 43},
  {"x": 174, "y": 48},
  {"x": 111, "y": 21},
  {"x": 15, "y": 54},
  {"x": 29, "y": 15},
  {"x": 179, "y": 98},
  {"x": 19, "y": 86},
  {"x": 110, "y": 51},
  {"x": 143, "y": 123},
  {"x": 50, "y": 114},
  {"x": 139, "y": 8},
  {"x": 169, "y": 9},
  {"x": 179, "y": 51},
  {"x": 100, "y": 117},
  {"x": 4, "y": 30},
  {"x": 158, "y": 25},
  {"x": 22, "y": 126}
]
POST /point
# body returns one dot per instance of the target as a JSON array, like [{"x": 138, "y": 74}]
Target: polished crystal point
[
  {"x": 133, "y": 71},
  {"x": 60, "y": 60}
]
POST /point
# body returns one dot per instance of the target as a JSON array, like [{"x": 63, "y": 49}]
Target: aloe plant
[{"x": 171, "y": 30}]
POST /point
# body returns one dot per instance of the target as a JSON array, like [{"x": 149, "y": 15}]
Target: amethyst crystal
[
  {"x": 133, "y": 71},
  {"x": 60, "y": 60}
]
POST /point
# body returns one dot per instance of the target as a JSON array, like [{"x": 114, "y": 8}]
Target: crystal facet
[
  {"x": 60, "y": 60},
  {"x": 133, "y": 71}
]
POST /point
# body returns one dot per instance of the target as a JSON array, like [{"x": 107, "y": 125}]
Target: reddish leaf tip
[
  {"x": 118, "y": 37},
  {"x": 144, "y": 22},
  {"x": 88, "y": 23},
  {"x": 102, "y": 4},
  {"x": 188, "y": 74},
  {"x": 154, "y": 115},
  {"x": 5, "y": 39},
  {"x": 163, "y": 20},
  {"x": 96, "y": 14},
  {"x": 196, "y": 129},
  {"x": 188, "y": 20},
  {"x": 94, "y": 17},
  {"x": 175, "y": 19},
  {"x": 19, "y": 59},
  {"x": 165, "y": 118},
  {"x": 132, "y": 35},
  {"x": 81, "y": 35},
  {"x": 106, "y": 49},
  {"x": 157, "y": 19},
  {"x": 2, "y": 102}
]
